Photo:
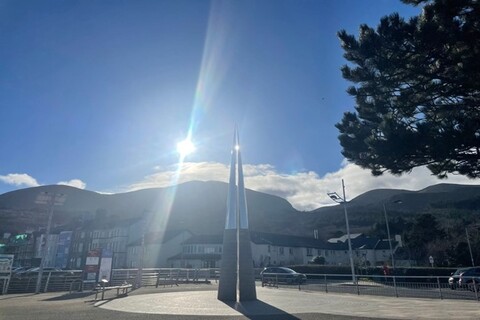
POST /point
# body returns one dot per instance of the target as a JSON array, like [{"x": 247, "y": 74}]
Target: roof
[
  {"x": 285, "y": 240},
  {"x": 197, "y": 256},
  {"x": 263, "y": 238},
  {"x": 360, "y": 241},
  {"x": 158, "y": 237},
  {"x": 205, "y": 239},
  {"x": 345, "y": 237}
]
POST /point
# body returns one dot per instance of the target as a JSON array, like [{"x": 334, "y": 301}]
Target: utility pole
[{"x": 469, "y": 247}]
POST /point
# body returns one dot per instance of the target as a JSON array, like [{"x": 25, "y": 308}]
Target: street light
[
  {"x": 388, "y": 232},
  {"x": 469, "y": 247},
  {"x": 390, "y": 244},
  {"x": 50, "y": 199},
  {"x": 335, "y": 197}
]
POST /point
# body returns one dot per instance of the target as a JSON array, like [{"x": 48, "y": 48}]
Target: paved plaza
[{"x": 199, "y": 302}]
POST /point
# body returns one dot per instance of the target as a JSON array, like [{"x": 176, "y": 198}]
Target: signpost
[
  {"x": 92, "y": 265},
  {"x": 105, "y": 265}
]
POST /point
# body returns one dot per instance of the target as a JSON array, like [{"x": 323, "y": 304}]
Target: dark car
[
  {"x": 282, "y": 275},
  {"x": 470, "y": 277},
  {"x": 464, "y": 277}
]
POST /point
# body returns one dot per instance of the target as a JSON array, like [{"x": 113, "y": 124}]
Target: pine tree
[{"x": 417, "y": 91}]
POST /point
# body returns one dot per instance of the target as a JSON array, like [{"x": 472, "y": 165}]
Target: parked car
[
  {"x": 469, "y": 278},
  {"x": 464, "y": 277},
  {"x": 453, "y": 280},
  {"x": 282, "y": 275}
]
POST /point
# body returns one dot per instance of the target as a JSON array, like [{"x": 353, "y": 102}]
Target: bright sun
[{"x": 185, "y": 147}]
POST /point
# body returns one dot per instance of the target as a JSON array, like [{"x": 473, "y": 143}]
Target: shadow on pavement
[
  {"x": 69, "y": 296},
  {"x": 258, "y": 309},
  {"x": 6, "y": 297}
]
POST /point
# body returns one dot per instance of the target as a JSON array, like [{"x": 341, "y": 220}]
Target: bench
[{"x": 124, "y": 288}]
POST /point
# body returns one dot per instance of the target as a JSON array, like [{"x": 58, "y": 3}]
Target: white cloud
[
  {"x": 77, "y": 183},
  {"x": 304, "y": 190},
  {"x": 19, "y": 179},
  {"x": 25, "y": 180}
]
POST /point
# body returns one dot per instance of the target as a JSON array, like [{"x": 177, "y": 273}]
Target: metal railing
[
  {"x": 394, "y": 286},
  {"x": 161, "y": 276},
  {"x": 403, "y": 286},
  {"x": 51, "y": 281}
]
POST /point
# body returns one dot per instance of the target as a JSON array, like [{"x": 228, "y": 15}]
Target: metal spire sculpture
[{"x": 237, "y": 263}]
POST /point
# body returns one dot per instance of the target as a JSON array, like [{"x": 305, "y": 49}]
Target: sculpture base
[{"x": 227, "y": 285}]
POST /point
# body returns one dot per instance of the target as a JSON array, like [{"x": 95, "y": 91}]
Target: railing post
[
  {"x": 326, "y": 286},
  {"x": 475, "y": 289},
  {"x": 439, "y": 288},
  {"x": 395, "y": 286},
  {"x": 48, "y": 280},
  {"x": 358, "y": 288}
]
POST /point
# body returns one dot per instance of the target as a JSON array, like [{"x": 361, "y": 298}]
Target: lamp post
[
  {"x": 388, "y": 235},
  {"x": 469, "y": 247},
  {"x": 147, "y": 218},
  {"x": 390, "y": 245},
  {"x": 50, "y": 199},
  {"x": 335, "y": 197}
]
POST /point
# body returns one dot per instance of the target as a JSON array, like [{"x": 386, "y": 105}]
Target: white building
[
  {"x": 158, "y": 247},
  {"x": 115, "y": 236},
  {"x": 268, "y": 249}
]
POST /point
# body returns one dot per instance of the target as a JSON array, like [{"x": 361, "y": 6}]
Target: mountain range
[{"x": 201, "y": 206}]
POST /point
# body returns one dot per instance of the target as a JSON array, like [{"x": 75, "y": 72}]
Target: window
[
  {"x": 290, "y": 250},
  {"x": 269, "y": 249},
  {"x": 281, "y": 250},
  {"x": 309, "y": 252}
]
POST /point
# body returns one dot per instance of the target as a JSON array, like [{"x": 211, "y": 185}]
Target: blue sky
[{"x": 96, "y": 94}]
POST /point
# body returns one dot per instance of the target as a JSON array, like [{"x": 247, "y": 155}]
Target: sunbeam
[{"x": 214, "y": 64}]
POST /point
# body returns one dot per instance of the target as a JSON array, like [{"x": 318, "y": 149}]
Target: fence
[
  {"x": 404, "y": 286},
  {"x": 162, "y": 276},
  {"x": 51, "y": 281}
]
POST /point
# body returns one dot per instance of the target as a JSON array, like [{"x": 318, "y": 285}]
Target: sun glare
[{"x": 185, "y": 147}]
